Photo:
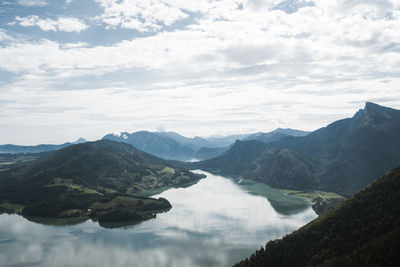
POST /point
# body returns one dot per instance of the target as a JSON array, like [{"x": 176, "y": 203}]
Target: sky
[{"x": 86, "y": 68}]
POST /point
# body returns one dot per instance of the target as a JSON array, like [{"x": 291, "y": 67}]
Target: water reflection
[{"x": 212, "y": 223}]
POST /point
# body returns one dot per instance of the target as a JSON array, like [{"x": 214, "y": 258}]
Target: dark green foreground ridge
[
  {"x": 95, "y": 179},
  {"x": 361, "y": 231}
]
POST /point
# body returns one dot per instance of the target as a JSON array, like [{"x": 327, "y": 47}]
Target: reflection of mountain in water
[{"x": 214, "y": 216}]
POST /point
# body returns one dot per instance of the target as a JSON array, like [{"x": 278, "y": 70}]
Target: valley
[
  {"x": 287, "y": 177},
  {"x": 207, "y": 133}
]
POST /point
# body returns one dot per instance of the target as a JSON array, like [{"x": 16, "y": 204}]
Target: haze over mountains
[
  {"x": 342, "y": 157},
  {"x": 170, "y": 145},
  {"x": 167, "y": 145},
  {"x": 274, "y": 135},
  {"x": 9, "y": 148}
]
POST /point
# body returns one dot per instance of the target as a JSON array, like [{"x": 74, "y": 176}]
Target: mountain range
[
  {"x": 170, "y": 145},
  {"x": 342, "y": 157},
  {"x": 361, "y": 231},
  {"x": 13, "y": 149},
  {"x": 167, "y": 145},
  {"x": 274, "y": 135},
  {"x": 159, "y": 144}
]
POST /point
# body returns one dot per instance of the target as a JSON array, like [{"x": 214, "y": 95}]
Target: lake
[{"x": 215, "y": 222}]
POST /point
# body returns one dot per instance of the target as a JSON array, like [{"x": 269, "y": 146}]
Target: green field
[
  {"x": 168, "y": 170},
  {"x": 118, "y": 201},
  {"x": 83, "y": 189},
  {"x": 312, "y": 194}
]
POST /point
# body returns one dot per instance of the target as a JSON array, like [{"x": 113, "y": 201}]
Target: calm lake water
[{"x": 212, "y": 223}]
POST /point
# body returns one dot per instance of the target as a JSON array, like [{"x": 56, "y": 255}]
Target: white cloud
[
  {"x": 226, "y": 40},
  {"x": 5, "y": 37},
  {"x": 33, "y": 20},
  {"x": 32, "y": 2},
  {"x": 66, "y": 24},
  {"x": 142, "y": 15},
  {"x": 74, "y": 45},
  {"x": 238, "y": 65}
]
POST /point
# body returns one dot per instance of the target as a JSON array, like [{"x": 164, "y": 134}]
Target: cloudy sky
[{"x": 74, "y": 68}]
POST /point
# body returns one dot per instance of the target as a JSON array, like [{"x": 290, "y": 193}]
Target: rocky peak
[{"x": 375, "y": 111}]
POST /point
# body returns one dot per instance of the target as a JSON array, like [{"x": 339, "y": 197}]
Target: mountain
[
  {"x": 80, "y": 141},
  {"x": 154, "y": 143},
  {"x": 280, "y": 168},
  {"x": 237, "y": 161},
  {"x": 194, "y": 143},
  {"x": 274, "y": 135},
  {"x": 342, "y": 157},
  {"x": 265, "y": 137},
  {"x": 361, "y": 231},
  {"x": 9, "y": 148},
  {"x": 225, "y": 141},
  {"x": 170, "y": 145},
  {"x": 291, "y": 132},
  {"x": 210, "y": 152},
  {"x": 79, "y": 176}
]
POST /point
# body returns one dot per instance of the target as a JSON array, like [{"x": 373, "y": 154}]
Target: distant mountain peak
[
  {"x": 372, "y": 107},
  {"x": 371, "y": 104},
  {"x": 123, "y": 135},
  {"x": 375, "y": 110},
  {"x": 80, "y": 140}
]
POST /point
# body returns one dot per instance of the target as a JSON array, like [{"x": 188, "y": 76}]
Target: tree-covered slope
[
  {"x": 76, "y": 177},
  {"x": 280, "y": 168},
  {"x": 342, "y": 157},
  {"x": 352, "y": 151},
  {"x": 361, "y": 231},
  {"x": 238, "y": 160},
  {"x": 275, "y": 135}
]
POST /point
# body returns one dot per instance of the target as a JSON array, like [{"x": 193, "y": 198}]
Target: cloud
[
  {"x": 4, "y": 36},
  {"x": 75, "y": 45},
  {"x": 33, "y": 20},
  {"x": 203, "y": 56},
  {"x": 66, "y": 24},
  {"x": 32, "y": 2},
  {"x": 227, "y": 42},
  {"x": 141, "y": 15}
]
